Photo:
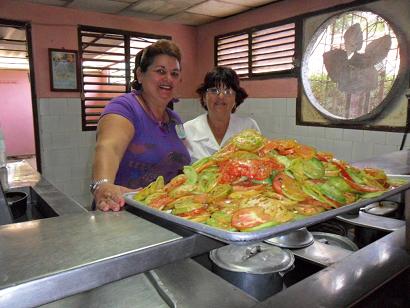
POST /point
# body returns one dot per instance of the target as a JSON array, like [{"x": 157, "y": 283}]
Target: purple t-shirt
[{"x": 154, "y": 150}]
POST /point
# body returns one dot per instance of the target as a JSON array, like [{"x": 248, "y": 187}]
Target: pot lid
[
  {"x": 381, "y": 208},
  {"x": 299, "y": 238},
  {"x": 335, "y": 240},
  {"x": 254, "y": 259}
]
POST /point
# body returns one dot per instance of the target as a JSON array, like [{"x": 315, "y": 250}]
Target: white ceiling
[{"x": 187, "y": 12}]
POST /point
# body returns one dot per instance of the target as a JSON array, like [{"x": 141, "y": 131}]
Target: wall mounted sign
[
  {"x": 354, "y": 72},
  {"x": 63, "y": 70}
]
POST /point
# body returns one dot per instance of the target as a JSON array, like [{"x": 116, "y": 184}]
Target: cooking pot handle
[
  {"x": 252, "y": 251},
  {"x": 284, "y": 272}
]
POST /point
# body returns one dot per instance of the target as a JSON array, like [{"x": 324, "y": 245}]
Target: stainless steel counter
[
  {"x": 48, "y": 259},
  {"x": 183, "y": 284},
  {"x": 92, "y": 259},
  {"x": 346, "y": 282},
  {"x": 79, "y": 247}
]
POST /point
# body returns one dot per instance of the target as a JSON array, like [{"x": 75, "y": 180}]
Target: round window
[{"x": 351, "y": 67}]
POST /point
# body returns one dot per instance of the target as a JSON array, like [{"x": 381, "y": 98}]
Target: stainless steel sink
[{"x": 37, "y": 208}]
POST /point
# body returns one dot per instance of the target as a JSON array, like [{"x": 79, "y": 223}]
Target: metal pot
[
  {"x": 17, "y": 201},
  {"x": 384, "y": 208},
  {"x": 257, "y": 269}
]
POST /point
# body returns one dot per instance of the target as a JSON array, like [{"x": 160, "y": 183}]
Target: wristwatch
[{"x": 94, "y": 184}]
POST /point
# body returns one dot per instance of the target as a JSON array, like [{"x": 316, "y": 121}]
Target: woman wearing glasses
[
  {"x": 220, "y": 94},
  {"x": 137, "y": 136}
]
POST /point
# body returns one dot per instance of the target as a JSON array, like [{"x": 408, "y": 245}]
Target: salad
[{"x": 254, "y": 182}]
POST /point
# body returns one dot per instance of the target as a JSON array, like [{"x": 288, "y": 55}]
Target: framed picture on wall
[{"x": 64, "y": 70}]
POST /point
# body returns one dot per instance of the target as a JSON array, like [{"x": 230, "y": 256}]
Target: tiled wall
[{"x": 66, "y": 151}]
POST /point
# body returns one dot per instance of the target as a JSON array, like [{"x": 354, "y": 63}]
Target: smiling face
[
  {"x": 220, "y": 101},
  {"x": 160, "y": 81}
]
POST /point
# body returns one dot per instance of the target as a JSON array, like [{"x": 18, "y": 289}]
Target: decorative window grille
[
  {"x": 107, "y": 64},
  {"x": 265, "y": 51}
]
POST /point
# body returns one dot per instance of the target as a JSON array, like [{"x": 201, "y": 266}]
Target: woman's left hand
[{"x": 109, "y": 197}]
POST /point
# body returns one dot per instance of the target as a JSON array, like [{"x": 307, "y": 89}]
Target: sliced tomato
[
  {"x": 248, "y": 187},
  {"x": 161, "y": 202},
  {"x": 305, "y": 151},
  {"x": 254, "y": 169},
  {"x": 350, "y": 197},
  {"x": 307, "y": 209},
  {"x": 286, "y": 152},
  {"x": 193, "y": 213},
  {"x": 204, "y": 166},
  {"x": 376, "y": 173},
  {"x": 362, "y": 188},
  {"x": 277, "y": 183},
  {"x": 175, "y": 182},
  {"x": 324, "y": 156},
  {"x": 225, "y": 152},
  {"x": 282, "y": 147},
  {"x": 349, "y": 180},
  {"x": 285, "y": 185},
  {"x": 334, "y": 202},
  {"x": 343, "y": 171},
  {"x": 249, "y": 217}
]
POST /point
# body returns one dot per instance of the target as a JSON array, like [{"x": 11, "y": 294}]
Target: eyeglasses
[{"x": 217, "y": 91}]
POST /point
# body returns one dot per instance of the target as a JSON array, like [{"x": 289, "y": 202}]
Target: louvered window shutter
[
  {"x": 273, "y": 49},
  {"x": 107, "y": 63},
  {"x": 265, "y": 51},
  {"x": 233, "y": 51}
]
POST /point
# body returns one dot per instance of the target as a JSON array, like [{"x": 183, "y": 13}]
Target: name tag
[{"x": 179, "y": 128}]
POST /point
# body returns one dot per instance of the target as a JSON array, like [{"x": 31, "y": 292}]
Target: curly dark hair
[
  {"x": 225, "y": 76},
  {"x": 146, "y": 56}
]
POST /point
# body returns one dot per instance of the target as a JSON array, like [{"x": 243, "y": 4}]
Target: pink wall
[
  {"x": 284, "y": 87},
  {"x": 55, "y": 27},
  {"x": 16, "y": 117}
]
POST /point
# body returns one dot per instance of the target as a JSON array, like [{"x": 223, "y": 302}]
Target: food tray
[{"x": 245, "y": 238}]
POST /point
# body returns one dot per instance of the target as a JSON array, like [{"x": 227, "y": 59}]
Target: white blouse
[{"x": 201, "y": 142}]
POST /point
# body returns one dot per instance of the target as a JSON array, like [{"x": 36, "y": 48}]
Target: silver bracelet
[{"x": 94, "y": 184}]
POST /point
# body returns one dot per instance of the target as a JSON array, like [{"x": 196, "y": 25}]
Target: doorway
[{"x": 18, "y": 108}]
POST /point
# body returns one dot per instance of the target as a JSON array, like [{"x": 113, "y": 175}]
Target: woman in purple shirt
[{"x": 137, "y": 137}]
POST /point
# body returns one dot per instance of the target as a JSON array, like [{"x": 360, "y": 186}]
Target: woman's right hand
[{"x": 109, "y": 197}]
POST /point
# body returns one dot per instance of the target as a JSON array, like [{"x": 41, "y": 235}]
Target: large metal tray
[{"x": 245, "y": 238}]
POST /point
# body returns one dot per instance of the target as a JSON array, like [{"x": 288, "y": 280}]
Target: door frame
[{"x": 27, "y": 26}]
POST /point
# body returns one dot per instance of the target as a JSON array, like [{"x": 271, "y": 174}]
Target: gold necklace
[{"x": 147, "y": 108}]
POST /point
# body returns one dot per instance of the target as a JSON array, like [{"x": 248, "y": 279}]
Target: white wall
[{"x": 66, "y": 151}]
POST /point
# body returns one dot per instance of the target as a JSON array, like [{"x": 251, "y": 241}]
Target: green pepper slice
[
  {"x": 313, "y": 168},
  {"x": 332, "y": 193},
  {"x": 191, "y": 175},
  {"x": 264, "y": 225}
]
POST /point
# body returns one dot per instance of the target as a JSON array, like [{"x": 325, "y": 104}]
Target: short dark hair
[
  {"x": 226, "y": 76},
  {"x": 146, "y": 56}
]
